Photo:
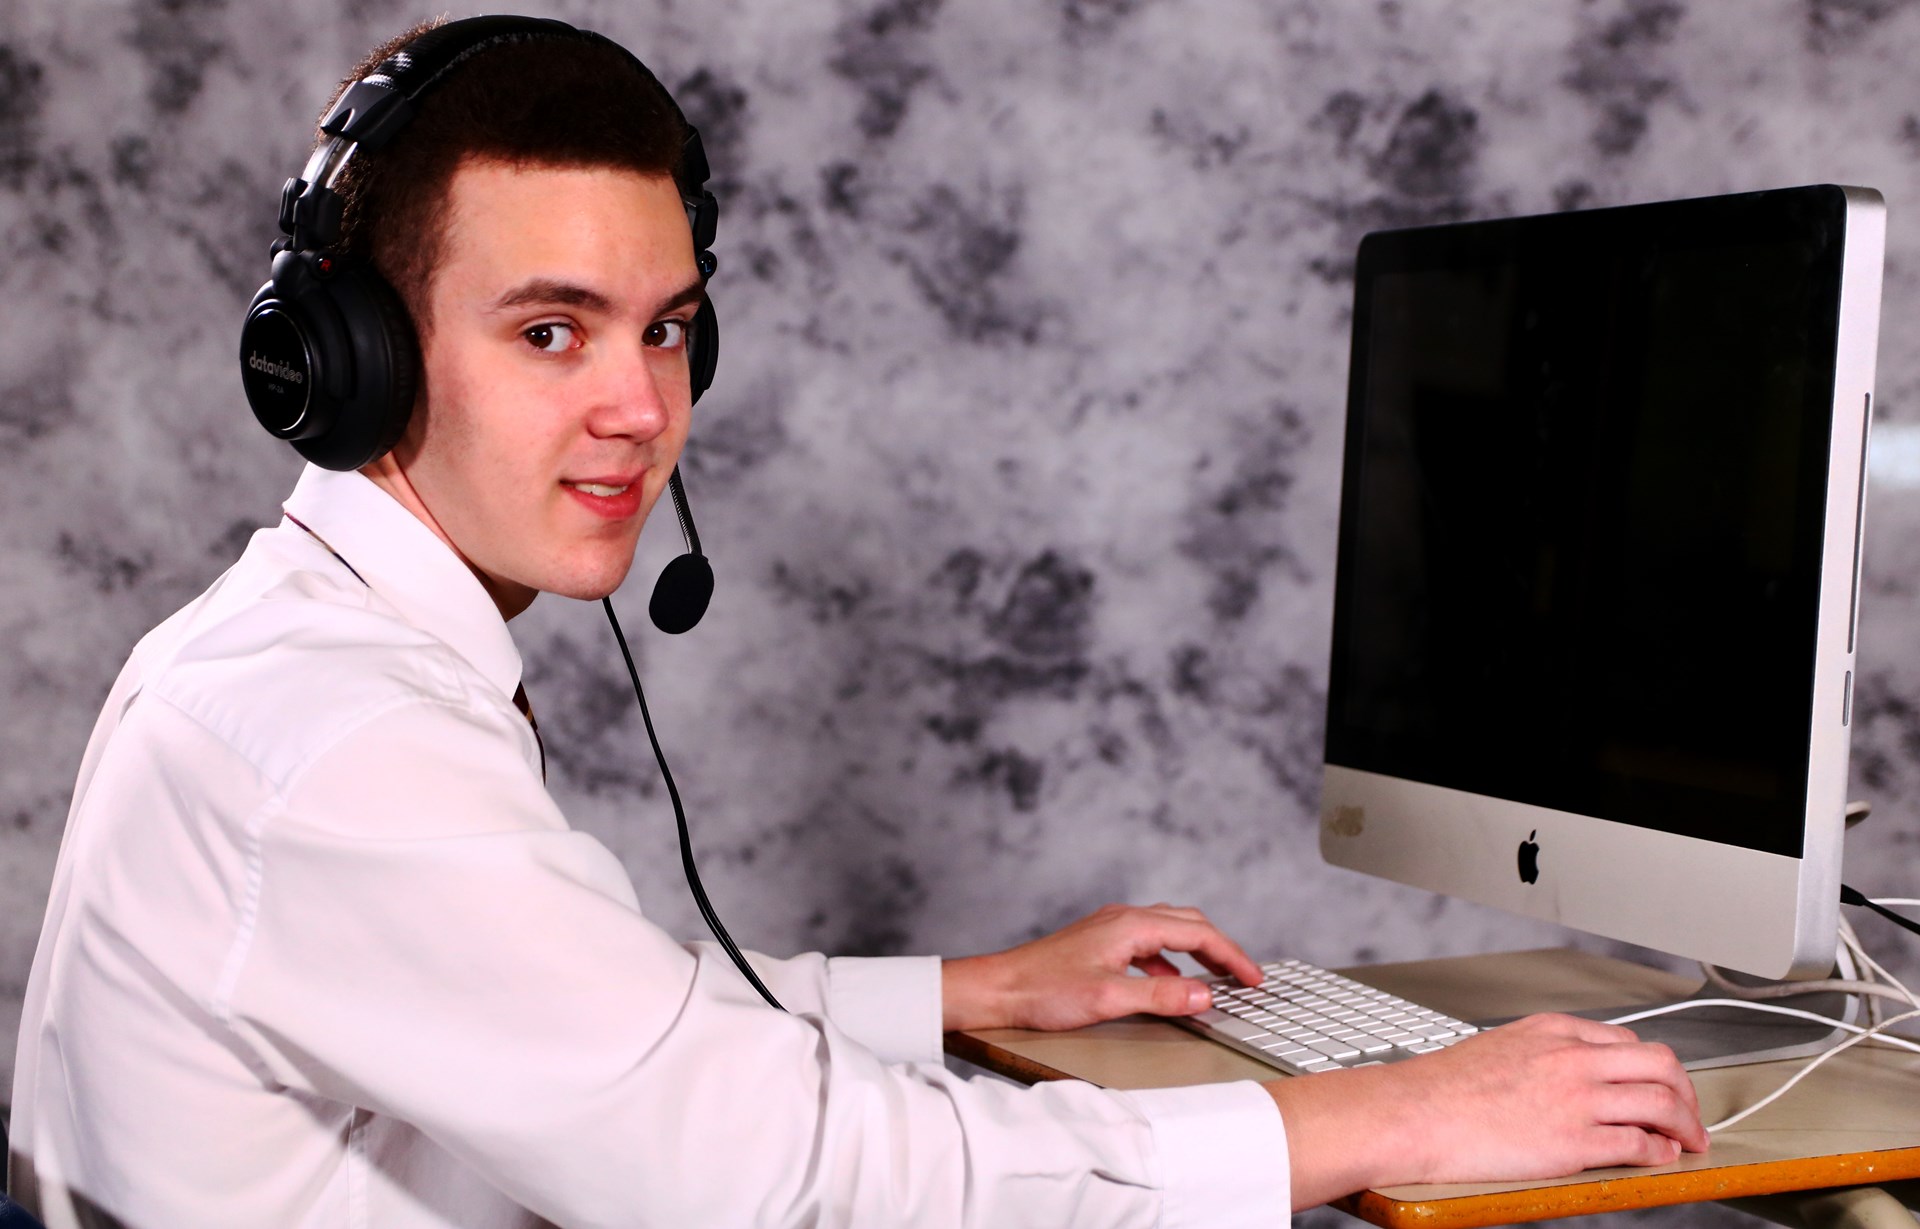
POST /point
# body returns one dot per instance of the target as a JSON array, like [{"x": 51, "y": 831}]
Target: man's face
[{"x": 555, "y": 396}]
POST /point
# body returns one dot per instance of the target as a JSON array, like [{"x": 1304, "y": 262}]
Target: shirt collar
[{"x": 409, "y": 566}]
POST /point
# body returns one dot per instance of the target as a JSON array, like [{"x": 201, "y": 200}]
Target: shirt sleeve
[
  {"x": 890, "y": 1004},
  {"x": 1223, "y": 1160},
  {"x": 426, "y": 939}
]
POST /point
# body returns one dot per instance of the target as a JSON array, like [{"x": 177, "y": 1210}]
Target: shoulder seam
[{"x": 345, "y": 729}]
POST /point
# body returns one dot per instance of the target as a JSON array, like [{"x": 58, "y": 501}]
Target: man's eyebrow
[
  {"x": 541, "y": 291},
  {"x": 691, "y": 293},
  {"x": 545, "y": 291}
]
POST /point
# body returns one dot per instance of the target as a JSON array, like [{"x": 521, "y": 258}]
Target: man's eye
[
  {"x": 667, "y": 334},
  {"x": 551, "y": 338}
]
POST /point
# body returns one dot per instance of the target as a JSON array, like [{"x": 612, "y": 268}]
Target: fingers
[
  {"x": 1156, "y": 966},
  {"x": 1641, "y": 1070},
  {"x": 1577, "y": 1027},
  {"x": 1639, "y": 1084},
  {"x": 1652, "y": 1107},
  {"x": 1155, "y": 996},
  {"x": 1182, "y": 929},
  {"x": 1630, "y": 1146}
]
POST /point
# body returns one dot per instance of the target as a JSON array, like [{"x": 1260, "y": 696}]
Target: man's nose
[{"x": 634, "y": 397}]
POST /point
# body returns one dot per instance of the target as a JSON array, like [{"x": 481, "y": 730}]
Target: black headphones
[{"x": 328, "y": 356}]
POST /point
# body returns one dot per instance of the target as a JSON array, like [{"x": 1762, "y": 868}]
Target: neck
[{"x": 390, "y": 475}]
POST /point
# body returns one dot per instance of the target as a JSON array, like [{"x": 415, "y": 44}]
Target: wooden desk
[{"x": 1856, "y": 1120}]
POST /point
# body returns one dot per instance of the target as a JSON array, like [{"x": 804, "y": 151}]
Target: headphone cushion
[
  {"x": 704, "y": 355},
  {"x": 381, "y": 379}
]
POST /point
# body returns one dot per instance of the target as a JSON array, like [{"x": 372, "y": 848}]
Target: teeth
[{"x": 597, "y": 488}]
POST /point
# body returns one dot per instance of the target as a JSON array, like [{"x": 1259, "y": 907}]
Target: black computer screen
[{"x": 1581, "y": 533}]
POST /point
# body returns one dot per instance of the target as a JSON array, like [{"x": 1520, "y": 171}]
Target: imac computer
[{"x": 1599, "y": 559}]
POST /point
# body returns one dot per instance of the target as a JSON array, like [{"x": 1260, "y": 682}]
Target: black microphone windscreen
[{"x": 681, "y": 594}]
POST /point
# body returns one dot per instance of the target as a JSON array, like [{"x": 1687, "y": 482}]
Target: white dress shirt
[{"x": 321, "y": 951}]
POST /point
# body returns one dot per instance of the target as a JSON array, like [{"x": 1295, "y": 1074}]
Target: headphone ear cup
[
  {"x": 383, "y": 371},
  {"x": 704, "y": 352},
  {"x": 283, "y": 364}
]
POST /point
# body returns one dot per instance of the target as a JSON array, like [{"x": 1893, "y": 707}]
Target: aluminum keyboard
[{"x": 1303, "y": 1019}]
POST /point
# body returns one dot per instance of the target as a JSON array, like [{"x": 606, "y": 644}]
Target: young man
[{"x": 321, "y": 950}]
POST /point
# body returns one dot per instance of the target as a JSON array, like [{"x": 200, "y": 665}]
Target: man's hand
[
  {"x": 1078, "y": 975},
  {"x": 1542, "y": 1097}
]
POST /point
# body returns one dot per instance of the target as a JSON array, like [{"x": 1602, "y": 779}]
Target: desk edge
[
  {"x": 969, "y": 1048},
  {"x": 1635, "y": 1191}
]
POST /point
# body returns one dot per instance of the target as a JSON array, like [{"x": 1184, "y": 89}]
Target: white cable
[
  {"x": 1843, "y": 961},
  {"x": 1849, "y": 954},
  {"x": 1904, "y": 1043},
  {"x": 1807, "y": 1070},
  {"x": 1847, "y": 964},
  {"x": 1874, "y": 966},
  {"x": 1848, "y": 967},
  {"x": 1850, "y": 950},
  {"x": 1850, "y": 943},
  {"x": 1790, "y": 990}
]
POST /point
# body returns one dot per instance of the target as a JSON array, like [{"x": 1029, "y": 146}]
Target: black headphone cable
[
  {"x": 1852, "y": 896},
  {"x": 680, "y": 819}
]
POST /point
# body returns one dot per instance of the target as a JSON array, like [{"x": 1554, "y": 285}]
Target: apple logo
[{"x": 1530, "y": 858}]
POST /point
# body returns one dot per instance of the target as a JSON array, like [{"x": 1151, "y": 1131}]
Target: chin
[{"x": 590, "y": 586}]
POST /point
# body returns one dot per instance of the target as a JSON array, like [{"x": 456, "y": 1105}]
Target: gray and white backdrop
[{"x": 1021, "y": 470}]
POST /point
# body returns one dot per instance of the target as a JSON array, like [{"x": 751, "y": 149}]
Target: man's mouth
[{"x": 596, "y": 488}]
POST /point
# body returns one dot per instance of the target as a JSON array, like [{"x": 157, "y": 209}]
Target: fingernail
[{"x": 1199, "y": 998}]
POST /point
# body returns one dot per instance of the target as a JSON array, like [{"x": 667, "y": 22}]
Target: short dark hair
[{"x": 539, "y": 101}]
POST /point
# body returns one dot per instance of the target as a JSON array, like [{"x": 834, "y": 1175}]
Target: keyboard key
[
  {"x": 1337, "y": 1049},
  {"x": 1239, "y": 1030},
  {"x": 1424, "y": 1047}
]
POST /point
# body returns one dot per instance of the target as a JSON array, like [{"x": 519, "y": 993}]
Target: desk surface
[{"x": 1855, "y": 1120}]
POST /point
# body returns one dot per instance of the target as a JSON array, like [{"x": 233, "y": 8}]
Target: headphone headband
[{"x": 374, "y": 109}]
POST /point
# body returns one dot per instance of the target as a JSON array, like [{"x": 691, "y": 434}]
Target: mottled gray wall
[{"x": 1021, "y": 470}]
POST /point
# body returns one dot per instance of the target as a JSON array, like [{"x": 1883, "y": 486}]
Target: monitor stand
[{"x": 1706, "y": 1037}]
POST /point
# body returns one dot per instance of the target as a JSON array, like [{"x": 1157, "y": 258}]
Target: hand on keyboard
[
  {"x": 1079, "y": 975},
  {"x": 1542, "y": 1097}
]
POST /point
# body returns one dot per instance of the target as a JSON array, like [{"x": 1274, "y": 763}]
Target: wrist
[
  {"x": 972, "y": 994},
  {"x": 1346, "y": 1132}
]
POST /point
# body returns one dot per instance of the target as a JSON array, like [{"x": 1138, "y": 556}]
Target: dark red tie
[{"x": 525, "y": 706}]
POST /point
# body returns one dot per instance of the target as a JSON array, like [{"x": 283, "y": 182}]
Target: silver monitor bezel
[{"x": 1763, "y": 913}]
